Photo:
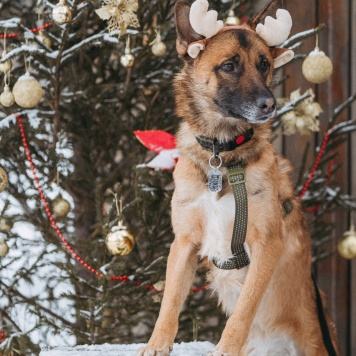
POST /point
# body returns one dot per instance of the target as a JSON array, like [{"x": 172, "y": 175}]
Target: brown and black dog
[{"x": 220, "y": 95}]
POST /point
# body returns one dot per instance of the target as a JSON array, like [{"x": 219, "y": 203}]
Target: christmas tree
[{"x": 76, "y": 177}]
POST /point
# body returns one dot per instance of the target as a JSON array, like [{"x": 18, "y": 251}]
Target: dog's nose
[{"x": 267, "y": 104}]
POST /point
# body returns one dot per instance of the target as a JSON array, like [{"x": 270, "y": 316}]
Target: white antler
[
  {"x": 276, "y": 31},
  {"x": 204, "y": 22}
]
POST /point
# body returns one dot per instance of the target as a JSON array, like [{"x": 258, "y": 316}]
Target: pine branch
[
  {"x": 301, "y": 35},
  {"x": 34, "y": 303}
]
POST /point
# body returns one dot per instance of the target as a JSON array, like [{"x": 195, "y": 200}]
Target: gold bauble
[
  {"x": 60, "y": 207},
  {"x": 27, "y": 91},
  {"x": 119, "y": 240},
  {"x": 44, "y": 39},
  {"x": 7, "y": 98},
  {"x": 158, "y": 48},
  {"x": 346, "y": 245},
  {"x": 317, "y": 67},
  {"x": 231, "y": 19},
  {"x": 3, "y": 179},
  {"x": 4, "y": 248},
  {"x": 62, "y": 13},
  {"x": 5, "y": 66},
  {"x": 6, "y": 224},
  {"x": 127, "y": 60}
]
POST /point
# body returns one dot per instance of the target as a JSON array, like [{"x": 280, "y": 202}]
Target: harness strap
[
  {"x": 236, "y": 178},
  {"x": 323, "y": 322}
]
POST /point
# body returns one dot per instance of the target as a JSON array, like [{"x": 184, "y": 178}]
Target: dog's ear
[
  {"x": 281, "y": 56},
  {"x": 185, "y": 33},
  {"x": 269, "y": 10},
  {"x": 274, "y": 31}
]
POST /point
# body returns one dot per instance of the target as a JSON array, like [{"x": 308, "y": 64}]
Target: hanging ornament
[
  {"x": 27, "y": 91},
  {"x": 158, "y": 48},
  {"x": 6, "y": 66},
  {"x": 3, "y": 179},
  {"x": 7, "y": 98},
  {"x": 60, "y": 207},
  {"x": 62, "y": 13},
  {"x": 119, "y": 240},
  {"x": 128, "y": 59},
  {"x": 303, "y": 118},
  {"x": 120, "y": 13},
  {"x": 346, "y": 245},
  {"x": 6, "y": 225},
  {"x": 4, "y": 248},
  {"x": 317, "y": 67},
  {"x": 44, "y": 38},
  {"x": 231, "y": 19}
]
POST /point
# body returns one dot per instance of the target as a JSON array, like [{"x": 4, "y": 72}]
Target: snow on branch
[
  {"x": 28, "y": 49},
  {"x": 10, "y": 23},
  {"x": 96, "y": 39},
  {"x": 301, "y": 35}
]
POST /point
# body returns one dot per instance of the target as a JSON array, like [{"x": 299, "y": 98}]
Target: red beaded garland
[
  {"x": 34, "y": 30},
  {"x": 316, "y": 164}
]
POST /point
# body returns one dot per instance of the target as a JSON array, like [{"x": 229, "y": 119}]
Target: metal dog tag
[
  {"x": 215, "y": 181},
  {"x": 215, "y": 176}
]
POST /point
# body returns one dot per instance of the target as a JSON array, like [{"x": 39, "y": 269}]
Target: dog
[{"x": 223, "y": 94}]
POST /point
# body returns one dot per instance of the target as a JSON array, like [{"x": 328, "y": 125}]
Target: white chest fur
[{"x": 219, "y": 215}]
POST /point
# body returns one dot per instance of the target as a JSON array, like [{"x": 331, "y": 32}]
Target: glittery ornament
[
  {"x": 158, "y": 48},
  {"x": 119, "y": 240},
  {"x": 3, "y": 179},
  {"x": 231, "y": 19},
  {"x": 317, "y": 67},
  {"x": 128, "y": 59},
  {"x": 346, "y": 245},
  {"x": 303, "y": 118},
  {"x": 7, "y": 98},
  {"x": 108, "y": 318},
  {"x": 43, "y": 38},
  {"x": 27, "y": 91},
  {"x": 4, "y": 248},
  {"x": 120, "y": 13},
  {"x": 61, "y": 207},
  {"x": 6, "y": 224},
  {"x": 62, "y": 13},
  {"x": 5, "y": 66}
]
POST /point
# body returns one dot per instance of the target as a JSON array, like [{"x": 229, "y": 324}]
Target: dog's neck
[{"x": 216, "y": 146}]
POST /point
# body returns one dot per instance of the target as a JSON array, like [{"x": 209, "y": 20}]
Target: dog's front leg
[
  {"x": 181, "y": 267},
  {"x": 265, "y": 254}
]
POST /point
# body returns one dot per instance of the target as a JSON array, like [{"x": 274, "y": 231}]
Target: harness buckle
[{"x": 236, "y": 176}]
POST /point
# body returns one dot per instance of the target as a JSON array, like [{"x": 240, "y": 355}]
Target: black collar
[{"x": 216, "y": 146}]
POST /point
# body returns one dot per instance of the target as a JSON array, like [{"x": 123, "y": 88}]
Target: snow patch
[{"x": 198, "y": 348}]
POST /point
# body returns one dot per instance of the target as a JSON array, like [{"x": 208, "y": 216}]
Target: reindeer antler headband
[{"x": 205, "y": 23}]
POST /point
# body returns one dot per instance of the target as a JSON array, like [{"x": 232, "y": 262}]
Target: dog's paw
[{"x": 147, "y": 351}]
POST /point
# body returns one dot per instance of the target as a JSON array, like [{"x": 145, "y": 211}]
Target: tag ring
[{"x": 215, "y": 167}]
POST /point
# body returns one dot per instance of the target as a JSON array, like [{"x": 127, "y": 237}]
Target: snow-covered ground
[{"x": 199, "y": 348}]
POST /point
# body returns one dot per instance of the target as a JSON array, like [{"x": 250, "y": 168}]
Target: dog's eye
[
  {"x": 264, "y": 65},
  {"x": 228, "y": 67}
]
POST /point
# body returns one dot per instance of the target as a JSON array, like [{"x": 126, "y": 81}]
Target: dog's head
[{"x": 227, "y": 76}]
